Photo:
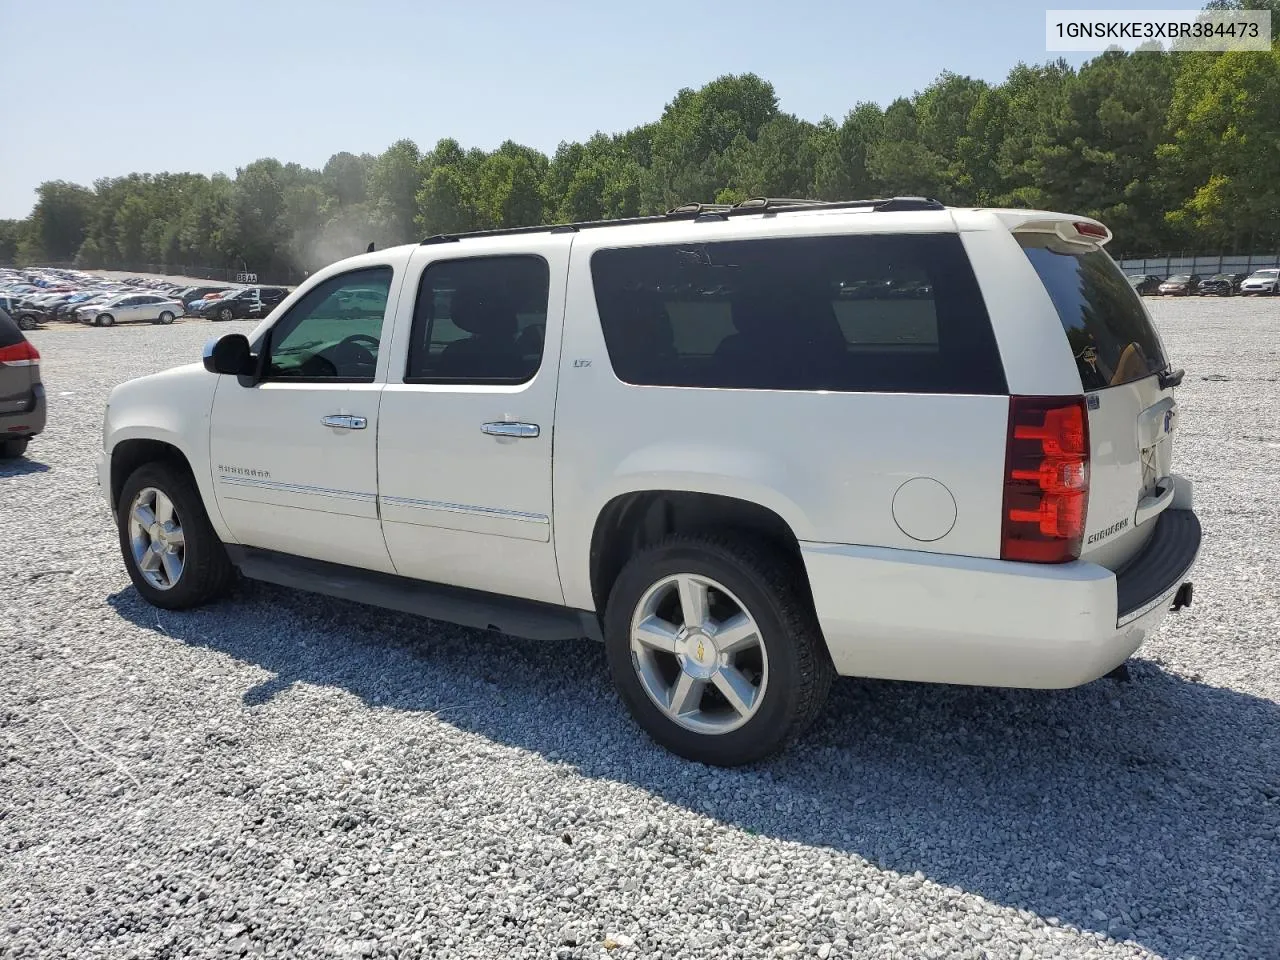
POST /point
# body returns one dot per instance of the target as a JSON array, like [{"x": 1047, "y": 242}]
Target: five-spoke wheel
[
  {"x": 714, "y": 647},
  {"x": 155, "y": 534}
]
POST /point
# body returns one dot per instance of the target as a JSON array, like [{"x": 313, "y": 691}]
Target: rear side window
[
  {"x": 896, "y": 313},
  {"x": 1110, "y": 335},
  {"x": 479, "y": 320}
]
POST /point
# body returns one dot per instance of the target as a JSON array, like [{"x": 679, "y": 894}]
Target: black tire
[
  {"x": 771, "y": 586},
  {"x": 226, "y": 314},
  {"x": 207, "y": 572},
  {"x": 13, "y": 448},
  {"x": 27, "y": 322},
  {"x": 104, "y": 320},
  {"x": 165, "y": 318}
]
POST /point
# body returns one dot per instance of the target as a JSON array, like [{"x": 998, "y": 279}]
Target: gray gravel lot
[{"x": 291, "y": 776}]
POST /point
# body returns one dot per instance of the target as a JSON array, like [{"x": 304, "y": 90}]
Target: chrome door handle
[
  {"x": 504, "y": 428},
  {"x": 344, "y": 421}
]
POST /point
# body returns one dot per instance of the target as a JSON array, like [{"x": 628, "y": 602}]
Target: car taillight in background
[
  {"x": 1046, "y": 479},
  {"x": 20, "y": 354}
]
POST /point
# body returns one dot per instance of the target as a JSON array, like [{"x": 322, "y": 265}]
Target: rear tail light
[
  {"x": 20, "y": 354},
  {"x": 1046, "y": 479}
]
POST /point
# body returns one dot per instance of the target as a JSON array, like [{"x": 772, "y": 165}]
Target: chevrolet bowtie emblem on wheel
[{"x": 701, "y": 651}]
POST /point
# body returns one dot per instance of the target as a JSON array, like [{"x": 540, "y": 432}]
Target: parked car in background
[
  {"x": 1180, "y": 285},
  {"x": 252, "y": 303},
  {"x": 25, "y": 317},
  {"x": 191, "y": 294},
  {"x": 1221, "y": 285},
  {"x": 22, "y": 406},
  {"x": 1146, "y": 284},
  {"x": 131, "y": 308},
  {"x": 1262, "y": 282}
]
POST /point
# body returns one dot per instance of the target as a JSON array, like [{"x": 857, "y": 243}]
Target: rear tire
[
  {"x": 770, "y": 653},
  {"x": 27, "y": 323},
  {"x": 195, "y": 572},
  {"x": 13, "y": 448}
]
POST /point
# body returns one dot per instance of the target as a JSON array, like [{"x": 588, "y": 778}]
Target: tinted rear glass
[
  {"x": 9, "y": 332},
  {"x": 847, "y": 313},
  {"x": 1110, "y": 335}
]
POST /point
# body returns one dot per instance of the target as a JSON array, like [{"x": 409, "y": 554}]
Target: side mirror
[{"x": 229, "y": 354}]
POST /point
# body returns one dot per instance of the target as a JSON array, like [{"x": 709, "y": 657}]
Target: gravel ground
[{"x": 291, "y": 776}]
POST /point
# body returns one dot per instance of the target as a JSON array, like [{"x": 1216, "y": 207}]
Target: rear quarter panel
[{"x": 829, "y": 464}]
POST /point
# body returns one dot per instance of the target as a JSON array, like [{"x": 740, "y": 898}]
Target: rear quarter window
[
  {"x": 1111, "y": 338},
  {"x": 900, "y": 313}
]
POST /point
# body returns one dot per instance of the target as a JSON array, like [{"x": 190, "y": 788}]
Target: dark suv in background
[
  {"x": 22, "y": 409},
  {"x": 1221, "y": 285},
  {"x": 252, "y": 303}
]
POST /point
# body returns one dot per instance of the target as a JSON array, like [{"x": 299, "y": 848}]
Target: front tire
[
  {"x": 26, "y": 323},
  {"x": 226, "y": 314},
  {"x": 715, "y": 649},
  {"x": 170, "y": 549},
  {"x": 104, "y": 320},
  {"x": 165, "y": 318}
]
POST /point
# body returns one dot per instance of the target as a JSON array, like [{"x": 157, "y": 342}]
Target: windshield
[
  {"x": 1110, "y": 335},
  {"x": 1265, "y": 275}
]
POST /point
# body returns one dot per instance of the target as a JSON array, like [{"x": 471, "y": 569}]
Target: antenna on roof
[{"x": 369, "y": 249}]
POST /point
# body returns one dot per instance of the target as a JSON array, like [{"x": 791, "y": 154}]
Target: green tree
[{"x": 1225, "y": 149}]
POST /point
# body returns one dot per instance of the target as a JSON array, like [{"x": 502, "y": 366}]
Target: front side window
[
  {"x": 323, "y": 338},
  {"x": 479, "y": 320},
  {"x": 899, "y": 313}
]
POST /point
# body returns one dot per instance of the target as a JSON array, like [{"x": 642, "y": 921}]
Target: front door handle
[
  {"x": 344, "y": 421},
  {"x": 505, "y": 428}
]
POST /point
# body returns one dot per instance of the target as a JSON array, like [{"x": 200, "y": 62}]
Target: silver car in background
[{"x": 130, "y": 308}]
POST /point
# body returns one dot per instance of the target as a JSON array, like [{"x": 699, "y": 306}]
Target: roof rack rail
[
  {"x": 702, "y": 211},
  {"x": 886, "y": 204}
]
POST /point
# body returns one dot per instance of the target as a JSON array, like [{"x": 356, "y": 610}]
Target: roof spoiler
[{"x": 1080, "y": 231}]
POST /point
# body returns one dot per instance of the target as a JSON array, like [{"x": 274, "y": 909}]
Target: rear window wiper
[{"x": 1171, "y": 378}]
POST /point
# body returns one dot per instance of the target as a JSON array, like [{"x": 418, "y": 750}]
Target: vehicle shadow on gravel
[
  {"x": 1147, "y": 810},
  {"x": 21, "y": 467}
]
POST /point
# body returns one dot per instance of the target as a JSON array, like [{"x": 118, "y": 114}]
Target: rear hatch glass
[
  {"x": 1132, "y": 419},
  {"x": 1107, "y": 326}
]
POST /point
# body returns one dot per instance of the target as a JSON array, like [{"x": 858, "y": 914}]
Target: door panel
[
  {"x": 294, "y": 458},
  {"x": 465, "y": 430}
]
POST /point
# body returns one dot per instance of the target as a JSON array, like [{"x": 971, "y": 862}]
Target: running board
[{"x": 467, "y": 608}]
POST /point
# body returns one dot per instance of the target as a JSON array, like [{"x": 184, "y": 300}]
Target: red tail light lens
[
  {"x": 20, "y": 354},
  {"x": 1046, "y": 479}
]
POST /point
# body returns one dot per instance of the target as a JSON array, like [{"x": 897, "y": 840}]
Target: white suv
[{"x": 747, "y": 447}]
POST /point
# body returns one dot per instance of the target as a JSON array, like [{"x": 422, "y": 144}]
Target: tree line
[{"x": 1175, "y": 152}]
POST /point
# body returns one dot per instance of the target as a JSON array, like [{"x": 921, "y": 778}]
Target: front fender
[{"x": 174, "y": 408}]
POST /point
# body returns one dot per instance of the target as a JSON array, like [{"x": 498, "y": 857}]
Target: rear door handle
[
  {"x": 504, "y": 428},
  {"x": 344, "y": 421}
]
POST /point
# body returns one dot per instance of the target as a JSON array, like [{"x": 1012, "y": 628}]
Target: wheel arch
[
  {"x": 128, "y": 455},
  {"x": 631, "y": 522}
]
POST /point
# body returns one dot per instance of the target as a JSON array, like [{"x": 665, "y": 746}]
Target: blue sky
[{"x": 96, "y": 88}]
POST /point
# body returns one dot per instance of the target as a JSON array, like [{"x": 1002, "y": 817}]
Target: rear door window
[
  {"x": 1111, "y": 338},
  {"x": 845, "y": 313}
]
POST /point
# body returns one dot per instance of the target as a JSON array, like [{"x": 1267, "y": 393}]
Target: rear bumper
[
  {"x": 29, "y": 422},
  {"x": 905, "y": 615}
]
